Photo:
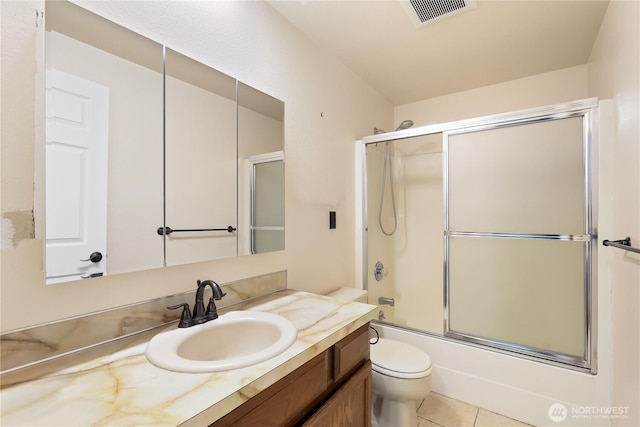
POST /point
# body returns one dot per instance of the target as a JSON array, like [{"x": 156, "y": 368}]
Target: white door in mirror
[
  {"x": 77, "y": 149},
  {"x": 234, "y": 340}
]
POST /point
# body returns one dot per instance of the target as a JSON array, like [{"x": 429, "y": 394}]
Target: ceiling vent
[{"x": 424, "y": 12}]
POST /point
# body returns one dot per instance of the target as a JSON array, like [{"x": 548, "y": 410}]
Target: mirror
[
  {"x": 200, "y": 162},
  {"x": 260, "y": 172},
  {"x": 103, "y": 121},
  {"x": 119, "y": 175}
]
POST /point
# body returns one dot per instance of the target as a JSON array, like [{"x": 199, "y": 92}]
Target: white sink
[{"x": 233, "y": 340}]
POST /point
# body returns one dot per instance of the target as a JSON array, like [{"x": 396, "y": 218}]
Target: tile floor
[{"x": 438, "y": 410}]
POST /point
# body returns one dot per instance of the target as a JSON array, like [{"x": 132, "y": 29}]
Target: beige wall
[
  {"x": 326, "y": 108},
  {"x": 568, "y": 84},
  {"x": 614, "y": 73}
]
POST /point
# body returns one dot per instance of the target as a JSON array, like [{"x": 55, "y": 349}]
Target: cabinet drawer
[{"x": 351, "y": 352}]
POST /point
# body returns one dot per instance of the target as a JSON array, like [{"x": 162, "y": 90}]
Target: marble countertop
[{"x": 124, "y": 389}]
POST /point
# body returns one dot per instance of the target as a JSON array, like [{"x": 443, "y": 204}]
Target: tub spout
[{"x": 388, "y": 301}]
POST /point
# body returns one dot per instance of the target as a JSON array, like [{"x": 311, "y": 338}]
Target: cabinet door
[
  {"x": 287, "y": 401},
  {"x": 349, "y": 406}
]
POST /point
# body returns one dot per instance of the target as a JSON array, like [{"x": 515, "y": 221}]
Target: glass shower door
[
  {"x": 412, "y": 251},
  {"x": 518, "y": 237}
]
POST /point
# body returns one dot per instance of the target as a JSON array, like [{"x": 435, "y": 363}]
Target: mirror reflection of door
[
  {"x": 77, "y": 138},
  {"x": 96, "y": 50},
  {"x": 267, "y": 202}
]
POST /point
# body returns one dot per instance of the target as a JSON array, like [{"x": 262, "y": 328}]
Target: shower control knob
[{"x": 380, "y": 271}]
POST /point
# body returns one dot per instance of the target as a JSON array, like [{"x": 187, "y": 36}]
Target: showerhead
[{"x": 404, "y": 125}]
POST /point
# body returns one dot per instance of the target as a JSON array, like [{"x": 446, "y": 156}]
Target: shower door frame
[{"x": 586, "y": 108}]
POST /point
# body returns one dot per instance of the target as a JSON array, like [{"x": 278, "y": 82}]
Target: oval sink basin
[{"x": 233, "y": 340}]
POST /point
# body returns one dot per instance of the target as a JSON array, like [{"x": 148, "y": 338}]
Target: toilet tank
[{"x": 351, "y": 294}]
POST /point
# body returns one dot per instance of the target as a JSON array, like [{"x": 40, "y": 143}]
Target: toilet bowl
[
  {"x": 401, "y": 378},
  {"x": 401, "y": 375}
]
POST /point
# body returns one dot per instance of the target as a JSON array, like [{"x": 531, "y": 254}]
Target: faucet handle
[
  {"x": 185, "y": 317},
  {"x": 380, "y": 271}
]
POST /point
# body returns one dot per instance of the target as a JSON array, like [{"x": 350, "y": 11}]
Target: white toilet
[{"x": 401, "y": 376}]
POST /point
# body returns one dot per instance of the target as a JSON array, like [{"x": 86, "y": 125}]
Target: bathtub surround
[{"x": 35, "y": 350}]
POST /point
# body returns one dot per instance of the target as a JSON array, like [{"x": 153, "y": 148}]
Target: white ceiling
[{"x": 495, "y": 42}]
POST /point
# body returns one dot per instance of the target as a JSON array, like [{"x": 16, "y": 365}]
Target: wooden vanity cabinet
[
  {"x": 332, "y": 389},
  {"x": 350, "y": 405}
]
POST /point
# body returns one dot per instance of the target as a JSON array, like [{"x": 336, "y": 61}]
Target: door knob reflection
[{"x": 94, "y": 257}]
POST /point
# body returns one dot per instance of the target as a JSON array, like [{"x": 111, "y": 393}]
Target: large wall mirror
[{"x": 141, "y": 143}]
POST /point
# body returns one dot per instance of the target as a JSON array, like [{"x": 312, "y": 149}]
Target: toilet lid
[{"x": 398, "y": 357}]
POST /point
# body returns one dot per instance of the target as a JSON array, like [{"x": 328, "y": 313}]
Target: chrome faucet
[
  {"x": 200, "y": 315},
  {"x": 386, "y": 300}
]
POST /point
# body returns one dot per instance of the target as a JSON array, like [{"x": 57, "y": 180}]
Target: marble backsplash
[{"x": 43, "y": 343}]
